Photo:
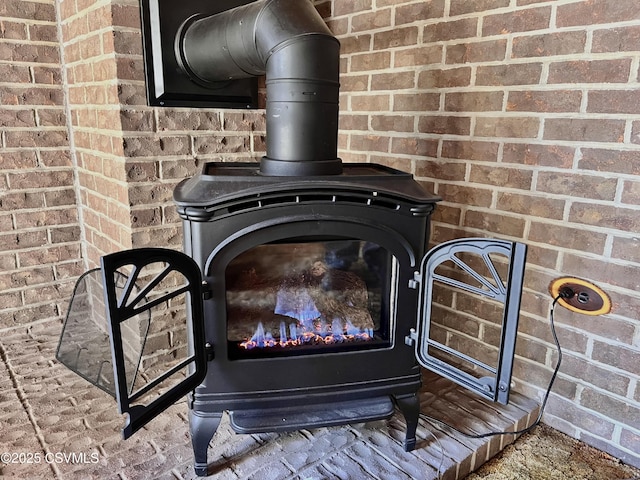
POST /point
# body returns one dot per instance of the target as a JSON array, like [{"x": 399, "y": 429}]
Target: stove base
[
  {"x": 311, "y": 416},
  {"x": 280, "y": 419}
]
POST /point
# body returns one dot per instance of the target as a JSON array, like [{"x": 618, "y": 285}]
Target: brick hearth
[{"x": 46, "y": 410}]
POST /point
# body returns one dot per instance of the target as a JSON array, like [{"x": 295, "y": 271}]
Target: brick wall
[
  {"x": 521, "y": 114},
  {"x": 92, "y": 69},
  {"x": 40, "y": 248}
]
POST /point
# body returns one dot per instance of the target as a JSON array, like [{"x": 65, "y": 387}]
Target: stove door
[
  {"x": 469, "y": 308},
  {"x": 156, "y": 330}
]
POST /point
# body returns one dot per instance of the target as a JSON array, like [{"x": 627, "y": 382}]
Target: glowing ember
[{"x": 322, "y": 334}]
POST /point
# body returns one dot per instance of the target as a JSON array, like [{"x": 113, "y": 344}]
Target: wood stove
[
  {"x": 308, "y": 278},
  {"x": 309, "y": 303},
  {"x": 305, "y": 296}
]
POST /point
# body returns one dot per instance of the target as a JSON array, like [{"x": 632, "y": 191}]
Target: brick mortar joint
[
  {"x": 29, "y": 268},
  {"x": 19, "y": 41},
  {"x": 53, "y": 283},
  {"x": 105, "y": 155},
  {"x": 44, "y": 228},
  {"x": 152, "y": 206},
  {"x": 115, "y": 183},
  {"x": 614, "y": 203}
]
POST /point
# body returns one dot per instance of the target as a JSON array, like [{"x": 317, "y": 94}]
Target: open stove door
[
  {"x": 163, "y": 287},
  {"x": 470, "y": 292}
]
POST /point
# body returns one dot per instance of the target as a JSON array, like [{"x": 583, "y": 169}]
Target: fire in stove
[
  {"x": 322, "y": 334},
  {"x": 307, "y": 294}
]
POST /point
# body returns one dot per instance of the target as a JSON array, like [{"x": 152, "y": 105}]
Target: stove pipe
[{"x": 289, "y": 42}]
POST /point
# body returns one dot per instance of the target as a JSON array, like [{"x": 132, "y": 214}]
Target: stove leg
[
  {"x": 202, "y": 429},
  {"x": 409, "y": 405}
]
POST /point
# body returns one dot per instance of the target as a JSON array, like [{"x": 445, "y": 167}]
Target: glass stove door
[
  {"x": 306, "y": 296},
  {"x": 156, "y": 324},
  {"x": 468, "y": 313}
]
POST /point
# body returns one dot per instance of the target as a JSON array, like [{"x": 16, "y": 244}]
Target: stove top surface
[{"x": 219, "y": 182}]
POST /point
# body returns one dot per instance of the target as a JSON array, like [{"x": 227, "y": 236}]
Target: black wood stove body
[
  {"x": 328, "y": 255},
  {"x": 305, "y": 286},
  {"x": 308, "y": 303}
]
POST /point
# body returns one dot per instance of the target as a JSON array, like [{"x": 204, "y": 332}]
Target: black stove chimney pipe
[{"x": 289, "y": 42}]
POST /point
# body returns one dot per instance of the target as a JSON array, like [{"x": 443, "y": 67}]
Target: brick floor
[{"x": 46, "y": 411}]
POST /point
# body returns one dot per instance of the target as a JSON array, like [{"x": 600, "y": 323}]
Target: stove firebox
[{"x": 307, "y": 296}]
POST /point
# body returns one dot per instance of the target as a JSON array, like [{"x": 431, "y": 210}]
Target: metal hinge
[
  {"x": 208, "y": 348},
  {"x": 412, "y": 338},
  {"x": 487, "y": 384},
  {"x": 415, "y": 281},
  {"x": 207, "y": 293}
]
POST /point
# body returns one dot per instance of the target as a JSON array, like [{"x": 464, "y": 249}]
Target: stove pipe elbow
[{"x": 288, "y": 41}]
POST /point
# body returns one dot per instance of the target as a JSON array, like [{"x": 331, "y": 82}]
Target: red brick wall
[
  {"x": 521, "y": 114},
  {"x": 91, "y": 70},
  {"x": 40, "y": 248}
]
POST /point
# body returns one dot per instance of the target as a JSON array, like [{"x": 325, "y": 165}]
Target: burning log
[{"x": 325, "y": 293}]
